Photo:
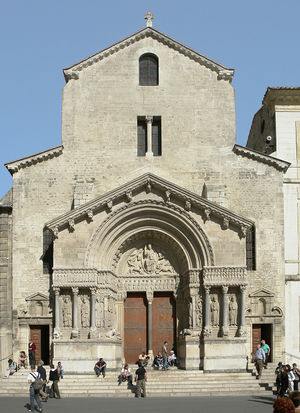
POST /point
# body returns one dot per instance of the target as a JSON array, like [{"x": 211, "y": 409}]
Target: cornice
[
  {"x": 224, "y": 73},
  {"x": 281, "y": 96},
  {"x": 169, "y": 192},
  {"x": 279, "y": 164},
  {"x": 15, "y": 166}
]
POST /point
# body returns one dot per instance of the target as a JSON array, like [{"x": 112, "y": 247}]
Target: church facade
[{"x": 148, "y": 223}]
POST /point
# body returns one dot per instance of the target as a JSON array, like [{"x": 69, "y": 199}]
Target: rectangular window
[
  {"x": 250, "y": 250},
  {"x": 149, "y": 144}
]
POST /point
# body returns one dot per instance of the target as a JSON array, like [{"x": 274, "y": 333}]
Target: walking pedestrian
[
  {"x": 140, "y": 378},
  {"x": 267, "y": 351},
  {"x": 290, "y": 376},
  {"x": 34, "y": 394},
  {"x": 297, "y": 376},
  {"x": 164, "y": 352},
  {"x": 284, "y": 382},
  {"x": 259, "y": 360},
  {"x": 54, "y": 377},
  {"x": 43, "y": 374}
]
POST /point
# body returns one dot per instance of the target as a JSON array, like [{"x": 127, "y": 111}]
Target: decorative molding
[
  {"x": 72, "y": 277},
  {"x": 262, "y": 292},
  {"x": 260, "y": 157},
  {"x": 151, "y": 202},
  {"x": 223, "y": 73},
  {"x": 15, "y": 166},
  {"x": 37, "y": 297},
  {"x": 224, "y": 276},
  {"x": 147, "y": 182}
]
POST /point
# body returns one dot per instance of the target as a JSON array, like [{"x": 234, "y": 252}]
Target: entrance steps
[{"x": 160, "y": 384}]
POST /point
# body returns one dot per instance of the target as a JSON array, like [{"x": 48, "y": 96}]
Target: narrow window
[
  {"x": 149, "y": 136},
  {"x": 148, "y": 70},
  {"x": 142, "y": 137},
  {"x": 250, "y": 250}
]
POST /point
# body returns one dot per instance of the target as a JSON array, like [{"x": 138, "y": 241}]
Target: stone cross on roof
[{"x": 149, "y": 17}]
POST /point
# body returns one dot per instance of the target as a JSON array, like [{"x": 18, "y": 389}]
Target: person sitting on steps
[
  {"x": 125, "y": 375},
  {"x": 100, "y": 367}
]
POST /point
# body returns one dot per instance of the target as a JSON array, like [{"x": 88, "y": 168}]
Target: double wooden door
[{"x": 136, "y": 326}]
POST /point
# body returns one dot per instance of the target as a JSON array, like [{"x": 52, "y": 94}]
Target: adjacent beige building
[
  {"x": 148, "y": 223},
  {"x": 276, "y": 130}
]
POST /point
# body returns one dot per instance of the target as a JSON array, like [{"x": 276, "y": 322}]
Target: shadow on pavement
[{"x": 263, "y": 399}]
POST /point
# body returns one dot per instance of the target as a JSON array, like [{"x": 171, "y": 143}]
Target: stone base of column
[
  {"x": 207, "y": 331},
  {"x": 56, "y": 333},
  {"x": 242, "y": 332},
  {"x": 225, "y": 331},
  {"x": 93, "y": 332},
  {"x": 74, "y": 333}
]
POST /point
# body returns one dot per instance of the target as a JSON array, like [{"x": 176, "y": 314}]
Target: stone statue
[
  {"x": 199, "y": 312},
  {"x": 214, "y": 312},
  {"x": 84, "y": 312},
  {"x": 149, "y": 259},
  {"x": 67, "y": 312},
  {"x": 233, "y": 309},
  {"x": 99, "y": 312}
]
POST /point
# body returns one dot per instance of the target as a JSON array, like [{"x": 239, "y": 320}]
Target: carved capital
[
  {"x": 149, "y": 295},
  {"x": 56, "y": 290},
  {"x": 121, "y": 295},
  {"x": 243, "y": 288},
  {"x": 93, "y": 290},
  {"x": 75, "y": 290},
  {"x": 149, "y": 119},
  {"x": 224, "y": 289},
  {"x": 207, "y": 290}
]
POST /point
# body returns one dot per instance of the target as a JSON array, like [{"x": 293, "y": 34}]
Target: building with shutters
[{"x": 149, "y": 223}]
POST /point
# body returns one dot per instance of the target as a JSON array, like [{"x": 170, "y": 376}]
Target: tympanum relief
[{"x": 149, "y": 260}]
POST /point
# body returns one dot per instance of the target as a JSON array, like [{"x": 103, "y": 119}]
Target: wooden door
[
  {"x": 36, "y": 338},
  {"x": 163, "y": 321},
  {"x": 256, "y": 337},
  {"x": 135, "y": 326}
]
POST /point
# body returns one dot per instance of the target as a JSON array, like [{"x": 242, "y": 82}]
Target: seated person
[
  {"x": 12, "y": 368},
  {"x": 125, "y": 375},
  {"x": 60, "y": 370},
  {"x": 158, "y": 360},
  {"x": 100, "y": 367},
  {"x": 172, "y": 359},
  {"x": 22, "y": 360},
  {"x": 143, "y": 359}
]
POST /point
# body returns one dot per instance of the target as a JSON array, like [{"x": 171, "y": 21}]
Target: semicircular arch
[{"x": 166, "y": 221}]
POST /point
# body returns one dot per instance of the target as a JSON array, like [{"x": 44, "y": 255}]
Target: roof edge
[
  {"x": 279, "y": 164},
  {"x": 224, "y": 73},
  {"x": 15, "y": 166}
]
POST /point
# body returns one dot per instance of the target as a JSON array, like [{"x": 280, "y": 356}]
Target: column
[
  {"x": 150, "y": 299},
  {"x": 207, "y": 329},
  {"x": 149, "y": 120},
  {"x": 242, "y": 328},
  {"x": 224, "y": 311},
  {"x": 57, "y": 313},
  {"x": 121, "y": 297},
  {"x": 75, "y": 291},
  {"x": 93, "y": 328}
]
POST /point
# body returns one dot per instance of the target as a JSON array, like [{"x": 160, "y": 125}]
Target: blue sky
[{"x": 260, "y": 39}]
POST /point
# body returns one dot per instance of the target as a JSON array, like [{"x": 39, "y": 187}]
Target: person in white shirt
[
  {"x": 12, "y": 368},
  {"x": 125, "y": 375},
  {"x": 172, "y": 359},
  {"x": 34, "y": 394},
  {"x": 291, "y": 377}
]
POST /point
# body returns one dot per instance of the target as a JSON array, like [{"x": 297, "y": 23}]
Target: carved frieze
[
  {"x": 63, "y": 277},
  {"x": 226, "y": 276}
]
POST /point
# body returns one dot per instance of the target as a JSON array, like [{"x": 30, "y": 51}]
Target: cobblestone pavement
[{"x": 224, "y": 404}]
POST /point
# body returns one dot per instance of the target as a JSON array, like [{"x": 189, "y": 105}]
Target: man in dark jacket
[
  {"x": 140, "y": 378},
  {"x": 43, "y": 375},
  {"x": 53, "y": 376}
]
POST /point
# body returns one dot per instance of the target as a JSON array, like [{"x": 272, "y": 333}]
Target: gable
[
  {"x": 73, "y": 72},
  {"x": 37, "y": 297},
  {"x": 261, "y": 293},
  {"x": 169, "y": 192}
]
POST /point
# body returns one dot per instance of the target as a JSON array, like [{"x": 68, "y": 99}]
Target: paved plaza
[{"x": 228, "y": 404}]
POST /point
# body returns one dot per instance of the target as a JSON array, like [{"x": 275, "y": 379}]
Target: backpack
[{"x": 38, "y": 383}]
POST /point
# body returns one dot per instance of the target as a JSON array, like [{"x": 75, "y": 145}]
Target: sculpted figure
[
  {"x": 67, "y": 312},
  {"x": 199, "y": 312},
  {"x": 214, "y": 312},
  {"x": 150, "y": 259},
  {"x": 233, "y": 309},
  {"x": 135, "y": 262},
  {"x": 99, "y": 312},
  {"x": 84, "y": 312}
]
